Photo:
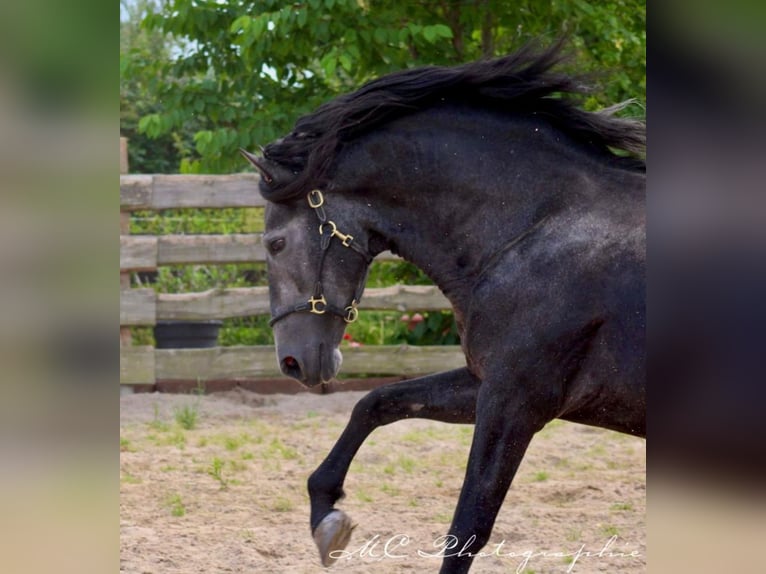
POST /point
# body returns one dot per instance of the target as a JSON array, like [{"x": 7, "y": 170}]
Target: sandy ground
[{"x": 229, "y": 495}]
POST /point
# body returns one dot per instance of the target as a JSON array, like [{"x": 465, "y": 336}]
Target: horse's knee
[{"x": 376, "y": 408}]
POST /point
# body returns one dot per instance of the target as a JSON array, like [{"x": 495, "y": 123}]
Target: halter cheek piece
[{"x": 317, "y": 303}]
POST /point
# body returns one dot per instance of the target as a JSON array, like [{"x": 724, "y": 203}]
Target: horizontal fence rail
[
  {"x": 143, "y": 307},
  {"x": 155, "y": 192},
  {"x": 147, "y": 252},
  {"x": 145, "y": 365}
]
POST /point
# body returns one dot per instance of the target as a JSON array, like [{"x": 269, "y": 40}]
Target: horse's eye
[{"x": 276, "y": 246}]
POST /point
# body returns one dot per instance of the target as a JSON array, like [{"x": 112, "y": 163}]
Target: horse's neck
[{"x": 450, "y": 199}]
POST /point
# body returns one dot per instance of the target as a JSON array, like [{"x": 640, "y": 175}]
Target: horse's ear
[
  {"x": 274, "y": 177},
  {"x": 258, "y": 163}
]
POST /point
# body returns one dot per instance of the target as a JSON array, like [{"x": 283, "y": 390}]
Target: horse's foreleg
[{"x": 447, "y": 397}]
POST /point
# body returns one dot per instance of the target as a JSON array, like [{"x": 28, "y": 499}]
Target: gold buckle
[
  {"x": 352, "y": 313},
  {"x": 315, "y": 198},
  {"x": 318, "y": 306},
  {"x": 345, "y": 239}
]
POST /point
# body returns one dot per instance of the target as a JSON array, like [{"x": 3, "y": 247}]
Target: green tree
[
  {"x": 141, "y": 49},
  {"x": 250, "y": 68}
]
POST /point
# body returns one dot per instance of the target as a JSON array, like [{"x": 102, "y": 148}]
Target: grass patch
[
  {"x": 216, "y": 471},
  {"x": 157, "y": 423},
  {"x": 540, "y": 476},
  {"x": 550, "y": 428},
  {"x": 597, "y": 450},
  {"x": 363, "y": 495},
  {"x": 282, "y": 504},
  {"x": 280, "y": 450},
  {"x": 231, "y": 443},
  {"x": 176, "y": 505},
  {"x": 187, "y": 416},
  {"x": 421, "y": 436},
  {"x": 407, "y": 464},
  {"x": 128, "y": 478},
  {"x": 610, "y": 530},
  {"x": 443, "y": 518},
  {"x": 125, "y": 445},
  {"x": 403, "y": 463},
  {"x": 389, "y": 489},
  {"x": 177, "y": 439},
  {"x": 621, "y": 506}
]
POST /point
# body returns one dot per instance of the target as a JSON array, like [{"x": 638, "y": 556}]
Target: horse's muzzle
[{"x": 308, "y": 366}]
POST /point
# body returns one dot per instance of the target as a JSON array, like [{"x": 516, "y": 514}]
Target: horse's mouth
[{"x": 329, "y": 363}]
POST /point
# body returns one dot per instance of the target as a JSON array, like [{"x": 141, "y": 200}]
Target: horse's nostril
[{"x": 292, "y": 368}]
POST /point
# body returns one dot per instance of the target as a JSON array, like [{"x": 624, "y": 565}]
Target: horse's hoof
[{"x": 333, "y": 533}]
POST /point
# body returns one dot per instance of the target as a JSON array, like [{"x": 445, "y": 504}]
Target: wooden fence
[{"x": 143, "y": 365}]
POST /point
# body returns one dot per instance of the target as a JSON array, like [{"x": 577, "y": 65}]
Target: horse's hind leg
[
  {"x": 506, "y": 421},
  {"x": 447, "y": 397}
]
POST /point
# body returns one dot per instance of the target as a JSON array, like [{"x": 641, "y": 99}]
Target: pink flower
[{"x": 412, "y": 321}]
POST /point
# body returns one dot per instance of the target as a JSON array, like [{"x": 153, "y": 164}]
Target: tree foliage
[
  {"x": 247, "y": 69},
  {"x": 143, "y": 53}
]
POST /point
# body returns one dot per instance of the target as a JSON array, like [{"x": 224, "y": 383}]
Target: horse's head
[{"x": 317, "y": 261}]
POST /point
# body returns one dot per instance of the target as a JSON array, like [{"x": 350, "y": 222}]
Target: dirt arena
[{"x": 229, "y": 495}]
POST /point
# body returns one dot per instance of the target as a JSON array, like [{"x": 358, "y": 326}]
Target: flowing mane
[{"x": 523, "y": 82}]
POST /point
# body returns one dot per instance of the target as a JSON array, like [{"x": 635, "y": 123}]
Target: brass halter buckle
[
  {"x": 344, "y": 239},
  {"x": 315, "y": 198},
  {"x": 352, "y": 313},
  {"x": 318, "y": 306}
]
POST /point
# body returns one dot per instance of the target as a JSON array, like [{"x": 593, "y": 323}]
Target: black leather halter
[{"x": 317, "y": 303}]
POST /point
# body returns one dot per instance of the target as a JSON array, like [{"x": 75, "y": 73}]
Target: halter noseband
[{"x": 317, "y": 303}]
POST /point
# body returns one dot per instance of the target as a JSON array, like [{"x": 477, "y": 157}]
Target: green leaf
[
  {"x": 259, "y": 25},
  {"x": 430, "y": 34},
  {"x": 442, "y": 30},
  {"x": 303, "y": 17},
  {"x": 240, "y": 24},
  {"x": 151, "y": 125},
  {"x": 345, "y": 61},
  {"x": 329, "y": 62},
  {"x": 204, "y": 141}
]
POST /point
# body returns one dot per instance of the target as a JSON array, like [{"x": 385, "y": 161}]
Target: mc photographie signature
[{"x": 401, "y": 547}]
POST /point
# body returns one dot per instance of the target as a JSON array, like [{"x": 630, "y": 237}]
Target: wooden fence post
[{"x": 126, "y": 338}]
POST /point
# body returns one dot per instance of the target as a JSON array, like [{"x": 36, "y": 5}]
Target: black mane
[{"x": 521, "y": 82}]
